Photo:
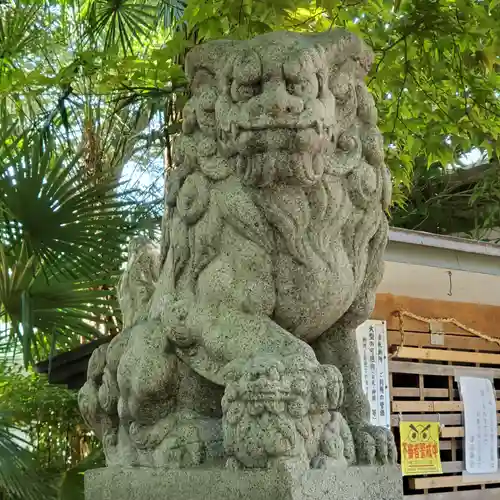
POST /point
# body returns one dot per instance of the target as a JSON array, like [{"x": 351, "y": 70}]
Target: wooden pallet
[
  {"x": 413, "y": 399},
  {"x": 423, "y": 387}
]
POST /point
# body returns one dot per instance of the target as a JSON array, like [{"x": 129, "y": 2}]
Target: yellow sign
[{"x": 420, "y": 448}]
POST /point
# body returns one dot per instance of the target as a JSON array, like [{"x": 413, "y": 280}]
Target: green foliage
[
  {"x": 71, "y": 486},
  {"x": 19, "y": 477},
  {"x": 453, "y": 201},
  {"x": 56, "y": 210},
  {"x": 435, "y": 81},
  {"x": 435, "y": 78},
  {"x": 40, "y": 409},
  {"x": 120, "y": 22},
  {"x": 41, "y": 430}
]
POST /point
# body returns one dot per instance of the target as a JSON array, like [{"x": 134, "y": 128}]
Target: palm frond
[
  {"x": 170, "y": 11},
  {"x": 19, "y": 477},
  {"x": 121, "y": 22},
  {"x": 47, "y": 313},
  {"x": 57, "y": 211},
  {"x": 16, "y": 33}
]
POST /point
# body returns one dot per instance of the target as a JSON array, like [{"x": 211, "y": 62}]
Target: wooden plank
[
  {"x": 460, "y": 348},
  {"x": 436, "y": 369},
  {"x": 450, "y": 419},
  {"x": 446, "y": 355},
  {"x": 489, "y": 494},
  {"x": 481, "y": 317},
  {"x": 415, "y": 339},
  {"x": 421, "y": 483},
  {"x": 455, "y": 432},
  {"x": 421, "y": 394},
  {"x": 447, "y": 444},
  {"x": 455, "y": 467},
  {"x": 450, "y": 444},
  {"x": 414, "y": 392},
  {"x": 429, "y": 406},
  {"x": 454, "y": 442},
  {"x": 452, "y": 467}
]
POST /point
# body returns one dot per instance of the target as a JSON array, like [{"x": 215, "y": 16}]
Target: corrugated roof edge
[{"x": 453, "y": 243}]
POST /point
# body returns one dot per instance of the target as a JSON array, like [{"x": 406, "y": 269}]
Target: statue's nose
[{"x": 276, "y": 101}]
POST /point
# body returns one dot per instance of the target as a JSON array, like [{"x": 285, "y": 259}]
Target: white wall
[
  {"x": 427, "y": 266},
  {"x": 428, "y": 282}
]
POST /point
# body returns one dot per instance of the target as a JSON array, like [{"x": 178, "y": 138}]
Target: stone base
[{"x": 354, "y": 483}]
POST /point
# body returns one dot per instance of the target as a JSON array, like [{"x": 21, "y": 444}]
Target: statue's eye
[
  {"x": 243, "y": 92},
  {"x": 307, "y": 86}
]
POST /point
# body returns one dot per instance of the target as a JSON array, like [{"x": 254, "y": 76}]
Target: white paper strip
[
  {"x": 480, "y": 418},
  {"x": 372, "y": 346}
]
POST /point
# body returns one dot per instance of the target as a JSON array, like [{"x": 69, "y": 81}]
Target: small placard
[
  {"x": 420, "y": 448},
  {"x": 437, "y": 338},
  {"x": 372, "y": 347}
]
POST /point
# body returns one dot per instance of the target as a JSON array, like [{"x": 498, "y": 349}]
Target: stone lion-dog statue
[{"x": 238, "y": 345}]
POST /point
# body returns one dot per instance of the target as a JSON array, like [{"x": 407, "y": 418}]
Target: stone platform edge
[{"x": 354, "y": 483}]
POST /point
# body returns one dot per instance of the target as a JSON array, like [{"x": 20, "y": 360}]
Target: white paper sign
[
  {"x": 480, "y": 417},
  {"x": 372, "y": 346}
]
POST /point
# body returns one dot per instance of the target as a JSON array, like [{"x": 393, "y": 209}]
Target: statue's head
[{"x": 281, "y": 107}]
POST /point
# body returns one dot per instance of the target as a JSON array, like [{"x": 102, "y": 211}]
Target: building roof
[
  {"x": 70, "y": 368},
  {"x": 443, "y": 242},
  {"x": 445, "y": 252}
]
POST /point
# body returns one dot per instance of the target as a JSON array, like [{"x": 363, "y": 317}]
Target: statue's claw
[{"x": 374, "y": 445}]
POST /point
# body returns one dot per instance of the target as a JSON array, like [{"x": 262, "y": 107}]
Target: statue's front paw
[
  {"x": 330, "y": 377},
  {"x": 337, "y": 442},
  {"x": 181, "y": 452},
  {"x": 374, "y": 445},
  {"x": 192, "y": 442}
]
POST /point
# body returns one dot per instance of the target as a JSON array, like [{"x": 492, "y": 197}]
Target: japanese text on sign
[
  {"x": 480, "y": 418},
  {"x": 372, "y": 346},
  {"x": 420, "y": 448}
]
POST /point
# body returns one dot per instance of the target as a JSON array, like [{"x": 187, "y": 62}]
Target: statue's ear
[
  {"x": 339, "y": 46},
  {"x": 208, "y": 58}
]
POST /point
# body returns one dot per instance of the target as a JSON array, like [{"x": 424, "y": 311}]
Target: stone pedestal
[{"x": 355, "y": 483}]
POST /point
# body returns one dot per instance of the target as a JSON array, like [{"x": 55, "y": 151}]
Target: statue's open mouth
[
  {"x": 248, "y": 141},
  {"x": 261, "y": 167}
]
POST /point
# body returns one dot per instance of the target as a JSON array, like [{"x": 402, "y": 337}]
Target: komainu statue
[{"x": 238, "y": 346}]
